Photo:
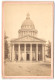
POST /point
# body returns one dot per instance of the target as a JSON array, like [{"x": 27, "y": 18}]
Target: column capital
[
  {"x": 43, "y": 44},
  {"x": 30, "y": 43},
  {"x": 24, "y": 43},
  {"x": 36, "y": 44},
  {"x": 18, "y": 44}
]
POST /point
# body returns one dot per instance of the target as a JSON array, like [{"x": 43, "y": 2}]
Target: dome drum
[{"x": 27, "y": 32}]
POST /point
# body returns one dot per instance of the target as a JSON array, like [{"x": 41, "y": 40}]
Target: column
[
  {"x": 36, "y": 52},
  {"x": 30, "y": 52},
  {"x": 13, "y": 53},
  {"x": 43, "y": 54},
  {"x": 19, "y": 56},
  {"x": 25, "y": 52}
]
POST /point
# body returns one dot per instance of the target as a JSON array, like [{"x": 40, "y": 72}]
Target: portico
[{"x": 28, "y": 52}]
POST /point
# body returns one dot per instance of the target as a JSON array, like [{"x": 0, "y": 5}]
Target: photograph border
[{"x": 52, "y": 44}]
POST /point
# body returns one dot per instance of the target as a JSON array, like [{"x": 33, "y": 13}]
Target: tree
[
  {"x": 6, "y": 48},
  {"x": 49, "y": 49}
]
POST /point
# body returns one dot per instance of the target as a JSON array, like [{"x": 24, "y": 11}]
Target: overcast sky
[{"x": 40, "y": 14}]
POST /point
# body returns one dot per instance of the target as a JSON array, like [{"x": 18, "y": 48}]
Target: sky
[{"x": 41, "y": 14}]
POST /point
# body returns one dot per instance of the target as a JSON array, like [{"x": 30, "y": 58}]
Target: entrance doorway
[{"x": 28, "y": 57}]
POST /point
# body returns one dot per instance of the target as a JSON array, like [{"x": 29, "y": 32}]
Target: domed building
[{"x": 27, "y": 47}]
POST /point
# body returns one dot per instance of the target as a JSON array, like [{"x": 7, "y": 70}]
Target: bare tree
[
  {"x": 6, "y": 48},
  {"x": 49, "y": 49}
]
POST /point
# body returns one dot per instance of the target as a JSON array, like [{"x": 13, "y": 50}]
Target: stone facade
[{"x": 27, "y": 47}]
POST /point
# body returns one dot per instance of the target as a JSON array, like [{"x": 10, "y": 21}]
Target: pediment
[{"x": 28, "y": 38}]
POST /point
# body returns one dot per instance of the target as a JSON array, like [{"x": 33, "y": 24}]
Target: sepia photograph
[{"x": 27, "y": 39}]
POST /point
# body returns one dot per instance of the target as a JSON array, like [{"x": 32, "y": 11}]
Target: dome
[
  {"x": 27, "y": 28},
  {"x": 28, "y": 24}
]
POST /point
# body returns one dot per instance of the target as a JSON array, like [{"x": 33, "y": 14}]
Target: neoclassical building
[{"x": 27, "y": 47}]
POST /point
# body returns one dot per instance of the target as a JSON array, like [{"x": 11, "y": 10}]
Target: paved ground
[{"x": 27, "y": 69}]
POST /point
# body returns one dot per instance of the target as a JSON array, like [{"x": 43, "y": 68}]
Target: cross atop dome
[{"x": 28, "y": 16}]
